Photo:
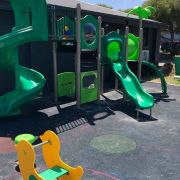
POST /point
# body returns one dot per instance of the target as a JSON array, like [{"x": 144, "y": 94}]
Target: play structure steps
[
  {"x": 51, "y": 150},
  {"x": 53, "y": 173}
]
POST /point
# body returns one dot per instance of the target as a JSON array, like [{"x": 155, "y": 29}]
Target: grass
[{"x": 169, "y": 79}]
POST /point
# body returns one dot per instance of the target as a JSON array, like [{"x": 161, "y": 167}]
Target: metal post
[
  {"x": 55, "y": 71},
  {"x": 140, "y": 49},
  {"x": 118, "y": 31},
  {"x": 126, "y": 52},
  {"x": 126, "y": 45},
  {"x": 78, "y": 55},
  {"x": 53, "y": 18},
  {"x": 137, "y": 114},
  {"x": 150, "y": 113},
  {"x": 116, "y": 80},
  {"x": 99, "y": 59},
  {"x": 102, "y": 69}
]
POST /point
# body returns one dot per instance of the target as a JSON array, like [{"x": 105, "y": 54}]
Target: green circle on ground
[{"x": 114, "y": 144}]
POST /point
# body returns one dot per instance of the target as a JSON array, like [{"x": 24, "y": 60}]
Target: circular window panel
[{"x": 89, "y": 33}]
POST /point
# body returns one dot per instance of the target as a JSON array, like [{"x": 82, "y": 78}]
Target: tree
[
  {"x": 167, "y": 11},
  {"x": 106, "y": 6},
  {"x": 142, "y": 13}
]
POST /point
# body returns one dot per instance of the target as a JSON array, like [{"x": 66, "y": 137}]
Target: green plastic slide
[
  {"x": 113, "y": 51},
  {"x": 133, "y": 52},
  {"x": 31, "y": 84},
  {"x": 25, "y": 84}
]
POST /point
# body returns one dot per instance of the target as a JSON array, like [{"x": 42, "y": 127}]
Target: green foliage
[
  {"x": 168, "y": 11},
  {"x": 142, "y": 13},
  {"x": 104, "y": 5}
]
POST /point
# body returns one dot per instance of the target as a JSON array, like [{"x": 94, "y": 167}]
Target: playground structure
[
  {"x": 82, "y": 36},
  {"x": 84, "y": 82},
  {"x": 57, "y": 169},
  {"x": 70, "y": 82}
]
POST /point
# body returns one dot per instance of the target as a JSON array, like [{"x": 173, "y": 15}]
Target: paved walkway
[{"x": 105, "y": 138}]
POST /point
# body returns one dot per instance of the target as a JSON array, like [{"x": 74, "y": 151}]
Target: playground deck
[{"x": 105, "y": 138}]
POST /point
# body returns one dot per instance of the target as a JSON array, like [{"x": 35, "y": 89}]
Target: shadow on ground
[{"x": 37, "y": 123}]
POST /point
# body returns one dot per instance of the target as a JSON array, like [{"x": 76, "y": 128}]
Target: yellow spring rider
[{"x": 57, "y": 169}]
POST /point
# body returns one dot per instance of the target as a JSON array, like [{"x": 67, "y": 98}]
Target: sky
[{"x": 117, "y": 4}]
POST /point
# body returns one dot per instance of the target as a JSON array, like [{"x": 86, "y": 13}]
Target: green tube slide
[
  {"x": 23, "y": 84},
  {"x": 112, "y": 51}
]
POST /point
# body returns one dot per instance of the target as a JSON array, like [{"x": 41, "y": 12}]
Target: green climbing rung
[{"x": 53, "y": 173}]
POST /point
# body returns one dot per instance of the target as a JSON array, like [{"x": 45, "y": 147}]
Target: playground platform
[{"x": 104, "y": 137}]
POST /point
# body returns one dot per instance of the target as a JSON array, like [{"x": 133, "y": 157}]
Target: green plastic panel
[
  {"x": 66, "y": 84},
  {"x": 89, "y": 33},
  {"x": 88, "y": 86},
  {"x": 133, "y": 47},
  {"x": 112, "y": 47},
  {"x": 66, "y": 28},
  {"x": 113, "y": 50},
  {"x": 177, "y": 64}
]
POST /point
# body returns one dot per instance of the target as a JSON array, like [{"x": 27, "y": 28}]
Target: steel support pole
[
  {"x": 53, "y": 18},
  {"x": 102, "y": 69},
  {"x": 116, "y": 79},
  {"x": 140, "y": 50},
  {"x": 99, "y": 59},
  {"x": 138, "y": 114},
  {"x": 126, "y": 43},
  {"x": 78, "y": 55},
  {"x": 55, "y": 70},
  {"x": 151, "y": 113},
  {"x": 126, "y": 51},
  {"x": 140, "y": 55}
]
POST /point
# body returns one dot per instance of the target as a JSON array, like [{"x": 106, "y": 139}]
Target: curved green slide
[
  {"x": 133, "y": 52},
  {"x": 159, "y": 73},
  {"x": 113, "y": 52},
  {"x": 26, "y": 84}
]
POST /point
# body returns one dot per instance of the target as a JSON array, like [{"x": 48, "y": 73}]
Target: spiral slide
[
  {"x": 19, "y": 85},
  {"x": 113, "y": 46},
  {"x": 31, "y": 84}
]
